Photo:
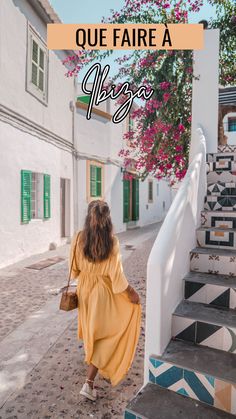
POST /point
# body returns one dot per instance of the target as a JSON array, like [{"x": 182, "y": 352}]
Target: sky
[{"x": 91, "y": 11}]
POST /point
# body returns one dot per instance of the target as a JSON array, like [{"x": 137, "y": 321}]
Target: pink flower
[
  {"x": 179, "y": 148},
  {"x": 165, "y": 85},
  {"x": 181, "y": 128},
  {"x": 166, "y": 97}
]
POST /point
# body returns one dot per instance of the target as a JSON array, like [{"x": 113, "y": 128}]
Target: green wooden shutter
[
  {"x": 47, "y": 196},
  {"x": 26, "y": 182},
  {"x": 126, "y": 200},
  {"x": 95, "y": 181},
  {"x": 99, "y": 181},
  {"x": 135, "y": 199},
  {"x": 93, "y": 176}
]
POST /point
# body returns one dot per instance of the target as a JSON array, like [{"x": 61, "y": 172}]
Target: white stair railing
[{"x": 169, "y": 260}]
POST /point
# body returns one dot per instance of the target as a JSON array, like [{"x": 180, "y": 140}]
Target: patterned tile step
[
  {"x": 222, "y": 165},
  {"x": 219, "y": 157},
  {"x": 217, "y": 290},
  {"x": 216, "y": 237},
  {"x": 220, "y": 203},
  {"x": 205, "y": 325},
  {"x": 221, "y": 176},
  {"x": 223, "y": 219},
  {"x": 227, "y": 148},
  {"x": 155, "y": 402},
  {"x": 204, "y": 374},
  {"x": 216, "y": 261},
  {"x": 221, "y": 188}
]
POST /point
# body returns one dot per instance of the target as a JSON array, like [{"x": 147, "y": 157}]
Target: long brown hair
[{"x": 97, "y": 235}]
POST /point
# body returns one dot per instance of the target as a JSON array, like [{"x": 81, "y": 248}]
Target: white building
[
  {"x": 133, "y": 203},
  {"x": 54, "y": 161},
  {"x": 36, "y": 169}
]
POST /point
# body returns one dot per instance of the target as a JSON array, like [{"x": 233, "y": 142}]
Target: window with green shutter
[
  {"x": 35, "y": 196},
  {"x": 37, "y": 66},
  {"x": 95, "y": 181},
  {"x": 26, "y": 182},
  {"x": 135, "y": 199},
  {"x": 126, "y": 200},
  {"x": 46, "y": 196}
]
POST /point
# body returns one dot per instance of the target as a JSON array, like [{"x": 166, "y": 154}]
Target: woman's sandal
[{"x": 88, "y": 392}]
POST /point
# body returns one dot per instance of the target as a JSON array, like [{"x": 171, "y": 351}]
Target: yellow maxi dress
[{"x": 108, "y": 322}]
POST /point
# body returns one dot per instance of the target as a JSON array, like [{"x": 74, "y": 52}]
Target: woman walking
[{"x": 109, "y": 309}]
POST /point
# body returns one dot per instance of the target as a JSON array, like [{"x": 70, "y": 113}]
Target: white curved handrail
[{"x": 169, "y": 260}]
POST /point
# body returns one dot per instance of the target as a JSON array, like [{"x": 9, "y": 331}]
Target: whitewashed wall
[
  {"x": 205, "y": 101},
  {"x": 20, "y": 150},
  {"x": 56, "y": 116},
  {"x": 151, "y": 212},
  {"x": 30, "y": 133}
]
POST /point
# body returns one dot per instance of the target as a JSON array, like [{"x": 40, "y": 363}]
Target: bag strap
[{"x": 72, "y": 262}]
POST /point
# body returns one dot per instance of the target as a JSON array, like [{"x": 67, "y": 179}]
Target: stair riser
[
  {"x": 204, "y": 334},
  {"x": 220, "y": 203},
  {"x": 220, "y": 157},
  {"x": 217, "y": 264},
  {"x": 226, "y": 148},
  {"x": 217, "y": 239},
  {"x": 218, "y": 219},
  {"x": 215, "y": 295},
  {"x": 222, "y": 165},
  {"x": 221, "y": 189},
  {"x": 214, "y": 177},
  {"x": 196, "y": 385}
]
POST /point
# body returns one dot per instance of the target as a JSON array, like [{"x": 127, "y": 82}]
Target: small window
[
  {"x": 232, "y": 124},
  {"x": 150, "y": 191},
  {"x": 95, "y": 180},
  {"x": 37, "y": 68},
  {"x": 37, "y": 196}
]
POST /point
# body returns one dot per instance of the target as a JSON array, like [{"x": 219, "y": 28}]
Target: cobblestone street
[{"x": 42, "y": 375}]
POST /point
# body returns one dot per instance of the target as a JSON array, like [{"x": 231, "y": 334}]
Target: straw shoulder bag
[{"x": 69, "y": 299}]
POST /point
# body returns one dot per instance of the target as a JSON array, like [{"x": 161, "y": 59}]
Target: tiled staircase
[{"x": 196, "y": 375}]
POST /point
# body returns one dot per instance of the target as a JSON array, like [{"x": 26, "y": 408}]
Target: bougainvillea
[{"x": 159, "y": 141}]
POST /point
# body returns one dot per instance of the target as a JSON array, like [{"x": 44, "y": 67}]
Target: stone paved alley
[{"x": 42, "y": 368}]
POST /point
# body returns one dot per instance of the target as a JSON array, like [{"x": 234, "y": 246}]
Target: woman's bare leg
[{"x": 91, "y": 374}]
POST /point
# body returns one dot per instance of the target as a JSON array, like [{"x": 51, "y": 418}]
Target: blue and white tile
[
  {"x": 216, "y": 238},
  {"x": 183, "y": 328},
  {"x": 220, "y": 219},
  {"x": 220, "y": 203},
  {"x": 189, "y": 383},
  {"x": 210, "y": 335},
  {"x": 221, "y": 188}
]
